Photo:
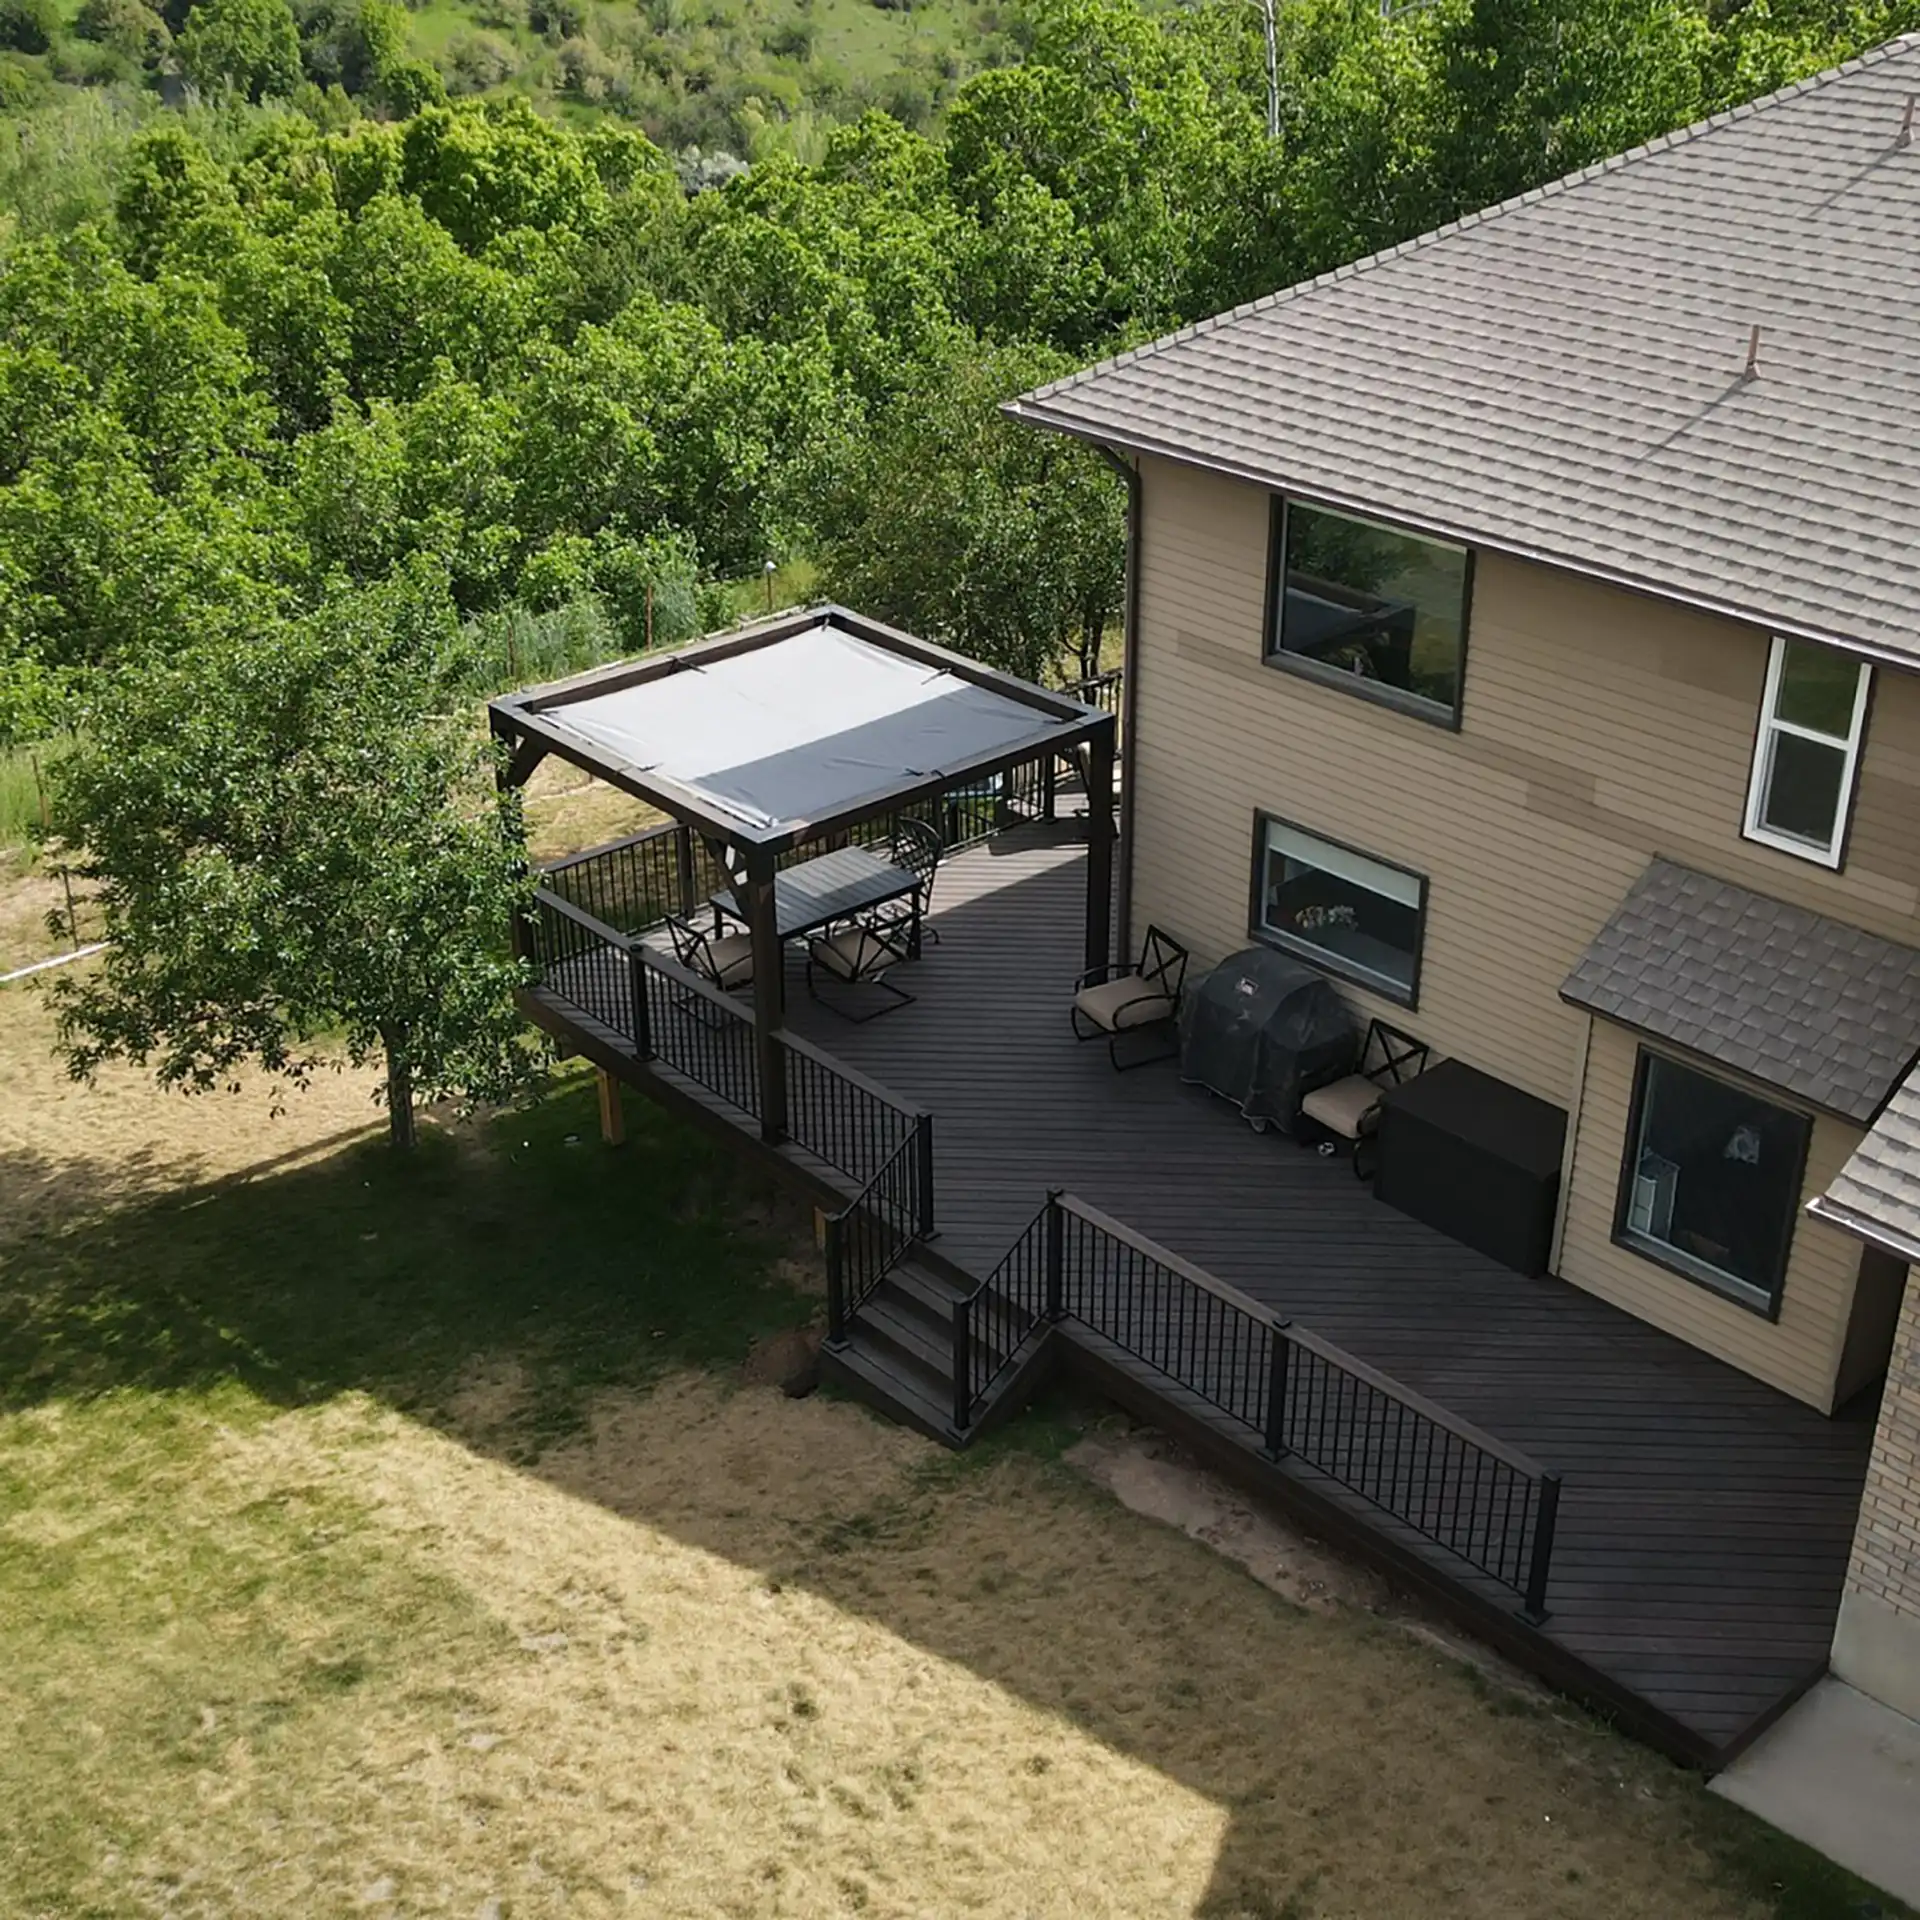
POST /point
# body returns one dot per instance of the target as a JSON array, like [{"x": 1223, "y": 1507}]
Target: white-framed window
[{"x": 1807, "y": 750}]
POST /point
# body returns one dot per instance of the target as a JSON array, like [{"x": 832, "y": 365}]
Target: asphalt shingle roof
[
  {"x": 1824, "y": 1011},
  {"x": 1880, "y": 1186},
  {"x": 1562, "y": 376}
]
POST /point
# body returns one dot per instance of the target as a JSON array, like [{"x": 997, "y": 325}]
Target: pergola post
[
  {"x": 1100, "y": 836},
  {"x": 769, "y": 992}
]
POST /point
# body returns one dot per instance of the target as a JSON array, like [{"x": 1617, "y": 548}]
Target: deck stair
[{"x": 897, "y": 1354}]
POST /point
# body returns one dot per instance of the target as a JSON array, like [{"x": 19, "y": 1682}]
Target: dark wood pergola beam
[{"x": 529, "y": 725}]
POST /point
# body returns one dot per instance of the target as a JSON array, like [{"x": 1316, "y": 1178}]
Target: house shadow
[{"x": 596, "y": 1273}]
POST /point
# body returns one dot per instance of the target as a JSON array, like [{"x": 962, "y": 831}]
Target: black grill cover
[{"x": 1262, "y": 1030}]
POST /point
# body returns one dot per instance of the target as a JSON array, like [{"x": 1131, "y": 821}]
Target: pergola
[{"x": 797, "y": 729}]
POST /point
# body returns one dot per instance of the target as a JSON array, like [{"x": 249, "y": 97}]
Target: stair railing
[{"x": 870, "y": 1236}]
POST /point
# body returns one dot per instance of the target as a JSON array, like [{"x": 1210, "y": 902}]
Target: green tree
[
  {"x": 252, "y": 46},
  {"x": 301, "y": 854},
  {"x": 949, "y": 519}
]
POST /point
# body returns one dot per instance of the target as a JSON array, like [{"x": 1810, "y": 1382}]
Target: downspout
[{"x": 1129, "y": 471}]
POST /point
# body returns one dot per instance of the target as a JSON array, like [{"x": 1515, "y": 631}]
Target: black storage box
[{"x": 1476, "y": 1158}]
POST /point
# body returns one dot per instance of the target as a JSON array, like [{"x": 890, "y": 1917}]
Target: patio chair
[
  {"x": 1349, "y": 1108},
  {"x": 916, "y": 845},
  {"x": 1134, "y": 996},
  {"x": 860, "y": 954},
  {"x": 723, "y": 960}
]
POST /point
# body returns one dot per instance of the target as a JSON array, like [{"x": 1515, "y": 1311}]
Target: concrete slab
[{"x": 1842, "y": 1773}]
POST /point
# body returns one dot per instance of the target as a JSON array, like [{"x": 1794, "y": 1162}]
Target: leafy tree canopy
[{"x": 300, "y": 852}]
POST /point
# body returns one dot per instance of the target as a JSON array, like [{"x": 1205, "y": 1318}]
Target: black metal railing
[
  {"x": 1100, "y": 690},
  {"x": 868, "y": 1238},
  {"x": 674, "y": 1017},
  {"x": 583, "y": 961},
  {"x": 1299, "y": 1396},
  {"x": 849, "y": 1121},
  {"x": 1001, "y": 1319},
  {"x": 700, "y": 1032}
]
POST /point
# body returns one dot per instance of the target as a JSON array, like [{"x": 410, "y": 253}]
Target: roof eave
[{"x": 1461, "y": 533}]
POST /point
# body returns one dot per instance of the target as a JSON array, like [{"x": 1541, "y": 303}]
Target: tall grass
[{"x": 20, "y": 791}]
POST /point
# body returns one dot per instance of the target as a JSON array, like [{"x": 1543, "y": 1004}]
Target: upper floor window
[
  {"x": 1369, "y": 608},
  {"x": 1808, "y": 750}
]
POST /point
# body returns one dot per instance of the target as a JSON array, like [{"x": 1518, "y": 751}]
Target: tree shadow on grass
[
  {"x": 592, "y": 1272},
  {"x": 363, "y": 1270}
]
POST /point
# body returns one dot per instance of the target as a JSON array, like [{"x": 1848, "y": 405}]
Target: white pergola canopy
[{"x": 804, "y": 728}]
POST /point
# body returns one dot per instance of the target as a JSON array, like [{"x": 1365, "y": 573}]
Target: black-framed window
[
  {"x": 1370, "y": 608},
  {"x": 1343, "y": 910},
  {"x": 1710, "y": 1186}
]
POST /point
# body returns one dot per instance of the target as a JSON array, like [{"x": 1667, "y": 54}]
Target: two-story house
[{"x": 1526, "y": 632}]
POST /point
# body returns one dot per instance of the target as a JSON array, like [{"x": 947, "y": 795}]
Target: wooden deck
[{"x": 1706, "y": 1519}]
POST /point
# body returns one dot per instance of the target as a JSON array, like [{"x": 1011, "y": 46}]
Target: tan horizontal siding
[
  {"x": 1800, "y": 1352},
  {"x": 1600, "y": 728}
]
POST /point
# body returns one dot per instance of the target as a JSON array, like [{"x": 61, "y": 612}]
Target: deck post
[
  {"x": 642, "y": 1013},
  {"x": 613, "y": 1119},
  {"x": 833, "y": 1232},
  {"x": 1056, "y": 1254},
  {"x": 683, "y": 867},
  {"x": 923, "y": 1177},
  {"x": 1100, "y": 844},
  {"x": 769, "y": 981},
  {"x": 962, "y": 1366},
  {"x": 1278, "y": 1355},
  {"x": 1534, "y": 1613}
]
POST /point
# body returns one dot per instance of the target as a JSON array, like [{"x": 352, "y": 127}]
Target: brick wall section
[{"x": 1886, "y": 1547}]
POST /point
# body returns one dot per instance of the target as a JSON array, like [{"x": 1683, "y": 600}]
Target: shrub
[
  {"x": 557, "y": 19},
  {"x": 28, "y": 26},
  {"x": 131, "y": 28},
  {"x": 477, "y": 61},
  {"x": 252, "y": 46},
  {"x": 408, "y": 85}
]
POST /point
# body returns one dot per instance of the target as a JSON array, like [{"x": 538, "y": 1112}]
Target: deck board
[{"x": 1706, "y": 1518}]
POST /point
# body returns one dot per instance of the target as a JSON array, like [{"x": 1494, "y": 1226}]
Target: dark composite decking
[{"x": 1706, "y": 1519}]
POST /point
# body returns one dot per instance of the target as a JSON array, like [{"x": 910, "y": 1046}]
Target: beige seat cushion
[
  {"x": 732, "y": 957},
  {"x": 1341, "y": 1107},
  {"x": 856, "y": 954},
  {"x": 1118, "y": 1006}
]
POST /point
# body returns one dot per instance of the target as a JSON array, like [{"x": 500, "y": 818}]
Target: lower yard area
[{"x": 426, "y": 1540}]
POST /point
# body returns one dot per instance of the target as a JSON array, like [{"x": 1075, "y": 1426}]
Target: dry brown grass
[
  {"x": 735, "y": 1654},
  {"x": 718, "y": 1653},
  {"x": 67, "y": 1148},
  {"x": 569, "y": 811}
]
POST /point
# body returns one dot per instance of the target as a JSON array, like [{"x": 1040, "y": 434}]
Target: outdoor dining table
[{"x": 832, "y": 887}]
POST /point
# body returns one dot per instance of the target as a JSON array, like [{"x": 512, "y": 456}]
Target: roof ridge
[{"x": 1680, "y": 136}]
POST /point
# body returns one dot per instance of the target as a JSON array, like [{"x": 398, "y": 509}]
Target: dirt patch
[
  {"x": 789, "y": 1361},
  {"x": 1155, "y": 1476},
  {"x": 1146, "y": 1471}
]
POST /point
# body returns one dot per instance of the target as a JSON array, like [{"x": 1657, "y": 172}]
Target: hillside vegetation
[{"x": 302, "y": 341}]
